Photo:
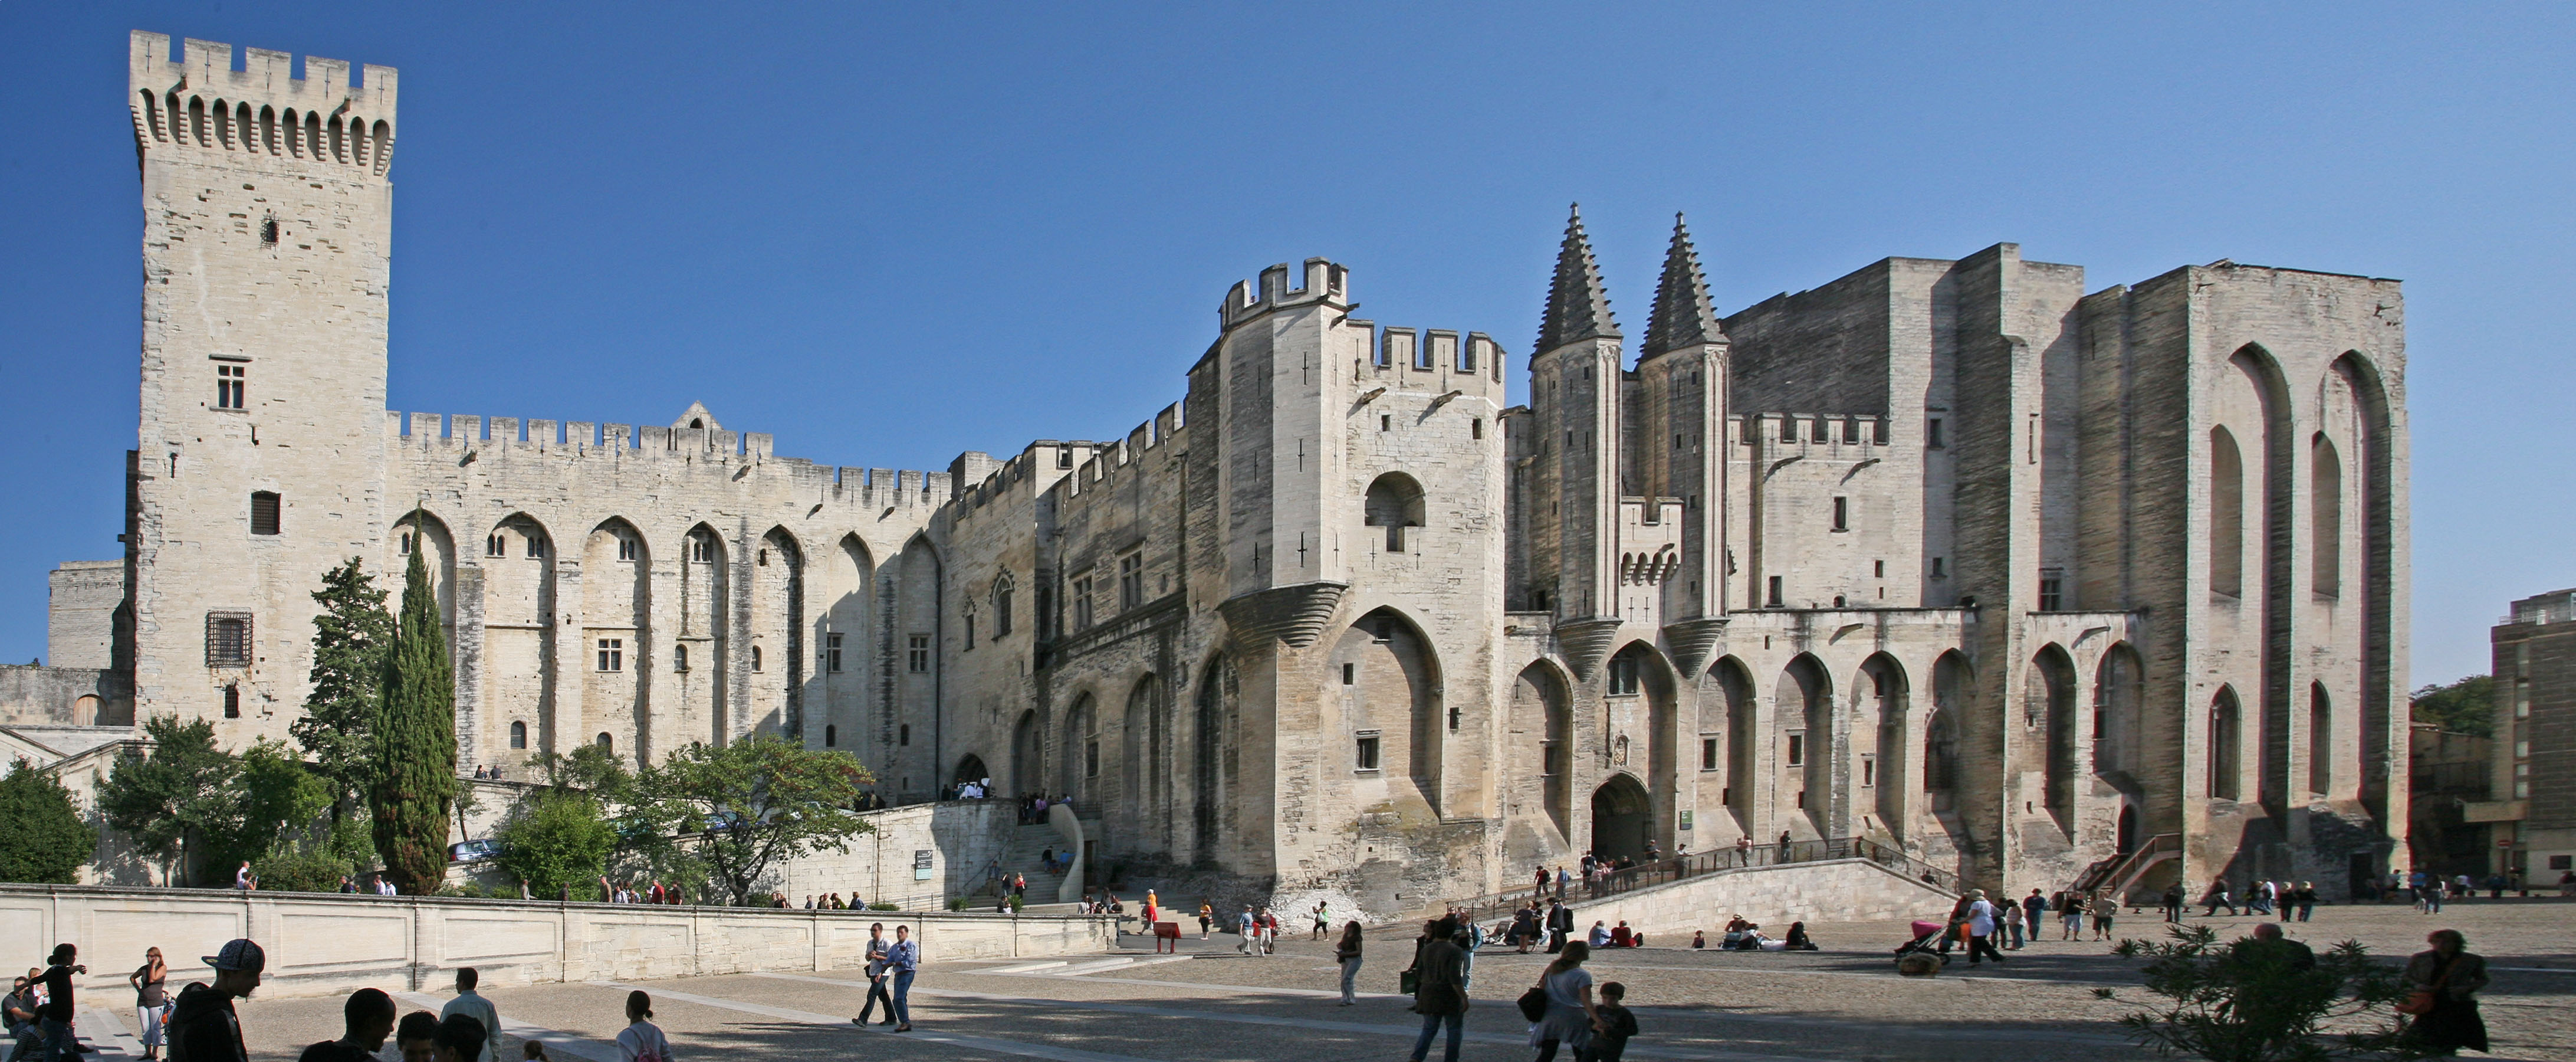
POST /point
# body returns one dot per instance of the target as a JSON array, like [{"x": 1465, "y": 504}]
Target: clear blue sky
[{"x": 891, "y": 232}]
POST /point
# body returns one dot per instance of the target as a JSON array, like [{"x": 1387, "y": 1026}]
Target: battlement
[
  {"x": 1113, "y": 458},
  {"x": 1325, "y": 281},
  {"x": 202, "y": 104},
  {"x": 1809, "y": 429},
  {"x": 467, "y": 438},
  {"x": 1435, "y": 355}
]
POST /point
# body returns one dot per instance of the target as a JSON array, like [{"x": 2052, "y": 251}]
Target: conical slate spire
[
  {"x": 1577, "y": 307},
  {"x": 1682, "y": 316}
]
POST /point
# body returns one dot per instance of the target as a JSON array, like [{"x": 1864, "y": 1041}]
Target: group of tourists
[
  {"x": 653, "y": 892},
  {"x": 1563, "y": 1009},
  {"x": 832, "y": 901},
  {"x": 2265, "y": 898}
]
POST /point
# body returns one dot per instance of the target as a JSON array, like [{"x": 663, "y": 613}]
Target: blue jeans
[
  {"x": 1350, "y": 972},
  {"x": 57, "y": 1043},
  {"x": 1431, "y": 1024},
  {"x": 902, "y": 1002}
]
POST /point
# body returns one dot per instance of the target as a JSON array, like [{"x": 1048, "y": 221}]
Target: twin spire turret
[{"x": 1578, "y": 306}]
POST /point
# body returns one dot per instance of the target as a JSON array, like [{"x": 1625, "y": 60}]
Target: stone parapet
[{"x": 325, "y": 943}]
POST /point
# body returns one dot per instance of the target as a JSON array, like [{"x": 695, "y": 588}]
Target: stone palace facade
[{"x": 1955, "y": 555}]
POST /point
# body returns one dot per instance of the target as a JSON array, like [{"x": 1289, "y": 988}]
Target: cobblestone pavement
[{"x": 1212, "y": 1004}]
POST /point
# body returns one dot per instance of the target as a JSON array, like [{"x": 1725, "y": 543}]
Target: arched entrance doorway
[
  {"x": 1620, "y": 818},
  {"x": 1027, "y": 776},
  {"x": 2128, "y": 828},
  {"x": 971, "y": 769}
]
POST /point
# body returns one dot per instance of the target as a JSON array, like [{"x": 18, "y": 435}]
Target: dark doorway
[
  {"x": 971, "y": 769},
  {"x": 2128, "y": 828},
  {"x": 1620, "y": 818}
]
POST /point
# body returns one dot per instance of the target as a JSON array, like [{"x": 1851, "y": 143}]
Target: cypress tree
[{"x": 415, "y": 780}]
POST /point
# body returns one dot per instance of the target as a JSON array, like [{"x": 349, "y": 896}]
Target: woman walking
[
  {"x": 641, "y": 1040},
  {"x": 1348, "y": 954},
  {"x": 2452, "y": 976},
  {"x": 1571, "y": 1015},
  {"x": 151, "y": 1000}
]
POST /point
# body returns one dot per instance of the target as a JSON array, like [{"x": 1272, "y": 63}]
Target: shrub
[
  {"x": 292, "y": 868},
  {"x": 956, "y": 903},
  {"x": 558, "y": 840},
  {"x": 2262, "y": 1001},
  {"x": 883, "y": 907}
]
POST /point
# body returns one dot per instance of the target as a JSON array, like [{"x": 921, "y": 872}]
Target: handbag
[
  {"x": 1409, "y": 982},
  {"x": 2420, "y": 1002},
  {"x": 1533, "y": 1003}
]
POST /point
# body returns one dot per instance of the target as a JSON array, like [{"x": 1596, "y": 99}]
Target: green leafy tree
[
  {"x": 589, "y": 768},
  {"x": 45, "y": 841},
  {"x": 351, "y": 636},
  {"x": 2252, "y": 1000},
  {"x": 175, "y": 796},
  {"x": 273, "y": 801},
  {"x": 752, "y": 804},
  {"x": 415, "y": 777},
  {"x": 2466, "y": 706},
  {"x": 558, "y": 839}
]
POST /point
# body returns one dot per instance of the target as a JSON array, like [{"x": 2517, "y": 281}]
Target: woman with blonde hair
[
  {"x": 1571, "y": 1015},
  {"x": 151, "y": 1000}
]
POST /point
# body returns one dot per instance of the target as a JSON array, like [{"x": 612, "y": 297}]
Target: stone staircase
[{"x": 1023, "y": 856}]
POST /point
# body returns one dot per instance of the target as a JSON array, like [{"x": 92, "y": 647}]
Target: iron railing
[
  {"x": 2121, "y": 872},
  {"x": 1696, "y": 864}
]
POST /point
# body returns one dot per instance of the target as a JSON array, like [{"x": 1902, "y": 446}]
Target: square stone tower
[{"x": 259, "y": 461}]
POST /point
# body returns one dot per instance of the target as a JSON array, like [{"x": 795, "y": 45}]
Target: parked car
[{"x": 473, "y": 851}]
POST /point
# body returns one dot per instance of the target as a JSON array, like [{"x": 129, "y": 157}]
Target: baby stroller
[{"x": 1927, "y": 941}]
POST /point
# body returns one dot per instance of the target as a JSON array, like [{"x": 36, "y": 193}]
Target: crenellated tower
[{"x": 267, "y": 207}]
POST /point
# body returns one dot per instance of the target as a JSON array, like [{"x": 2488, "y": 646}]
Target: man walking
[
  {"x": 2174, "y": 901},
  {"x": 877, "y": 977},
  {"x": 903, "y": 959},
  {"x": 1440, "y": 988},
  {"x": 2034, "y": 914},
  {"x": 476, "y": 1007},
  {"x": 203, "y": 1025},
  {"x": 1248, "y": 926}
]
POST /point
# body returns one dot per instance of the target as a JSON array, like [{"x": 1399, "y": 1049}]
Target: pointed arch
[
  {"x": 702, "y": 647},
  {"x": 1802, "y": 703},
  {"x": 1542, "y": 714},
  {"x": 911, "y": 596},
  {"x": 2373, "y": 497},
  {"x": 1028, "y": 757},
  {"x": 1650, "y": 676},
  {"x": 2269, "y": 419},
  {"x": 2325, "y": 517},
  {"x": 778, "y": 626},
  {"x": 2226, "y": 514},
  {"x": 1394, "y": 693},
  {"x": 2048, "y": 709},
  {"x": 1743, "y": 740},
  {"x": 1623, "y": 814},
  {"x": 2119, "y": 683},
  {"x": 1078, "y": 750},
  {"x": 616, "y": 615},
  {"x": 970, "y": 768},
  {"x": 520, "y": 635},
  {"x": 422, "y": 529},
  {"x": 1882, "y": 774},
  {"x": 2321, "y": 740},
  {"x": 1952, "y": 686},
  {"x": 1146, "y": 754},
  {"x": 1213, "y": 768},
  {"x": 383, "y": 151},
  {"x": 2226, "y": 745},
  {"x": 840, "y": 591}
]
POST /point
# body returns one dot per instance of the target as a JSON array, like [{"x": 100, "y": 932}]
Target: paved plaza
[{"x": 1210, "y": 1004}]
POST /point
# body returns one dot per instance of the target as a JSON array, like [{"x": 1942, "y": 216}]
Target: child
[
  {"x": 532, "y": 1051},
  {"x": 1617, "y": 1025}
]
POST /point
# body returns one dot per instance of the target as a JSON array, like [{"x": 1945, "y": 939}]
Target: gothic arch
[
  {"x": 1078, "y": 756},
  {"x": 1394, "y": 502},
  {"x": 2226, "y": 745},
  {"x": 701, "y": 650},
  {"x": 1145, "y": 760},
  {"x": 2119, "y": 729},
  {"x": 1216, "y": 710},
  {"x": 521, "y": 674},
  {"x": 1028, "y": 757},
  {"x": 2048, "y": 709},
  {"x": 970, "y": 768},
  {"x": 845, "y": 614},
  {"x": 2374, "y": 511},
  {"x": 1883, "y": 695},
  {"x": 1803, "y": 709},
  {"x": 1623, "y": 816},
  {"x": 1542, "y": 712},
  {"x": 1389, "y": 675},
  {"x": 778, "y": 625},
  {"x": 616, "y": 615},
  {"x": 1651, "y": 678},
  {"x": 2262, "y": 373},
  {"x": 1743, "y": 740}
]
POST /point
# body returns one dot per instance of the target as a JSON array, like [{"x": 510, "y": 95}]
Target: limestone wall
[
  {"x": 1838, "y": 890},
  {"x": 323, "y": 944}
]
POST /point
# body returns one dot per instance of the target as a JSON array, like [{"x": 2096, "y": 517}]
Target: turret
[
  {"x": 1575, "y": 399},
  {"x": 1681, "y": 448}
]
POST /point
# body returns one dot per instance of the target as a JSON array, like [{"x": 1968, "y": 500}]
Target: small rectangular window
[
  {"x": 231, "y": 386},
  {"x": 1366, "y": 759},
  {"x": 1932, "y": 434},
  {"x": 903, "y": 736},
  {"x": 970, "y": 630},
  {"x": 755, "y": 659},
  {"x": 832, "y": 652},
  {"x": 916, "y": 655},
  {"x": 1082, "y": 603},
  {"x": 1476, "y": 428},
  {"x": 228, "y": 639},
  {"x": 2052, "y": 583},
  {"x": 1869, "y": 770},
  {"x": 1797, "y": 750},
  {"x": 1131, "y": 580},
  {"x": 612, "y": 654},
  {"x": 1851, "y": 431},
  {"x": 625, "y": 548},
  {"x": 1350, "y": 674},
  {"x": 1091, "y": 759},
  {"x": 1385, "y": 422},
  {"x": 1940, "y": 567},
  {"x": 496, "y": 545},
  {"x": 679, "y": 658},
  {"x": 536, "y": 546},
  {"x": 1772, "y": 600},
  {"x": 1878, "y": 569},
  {"x": 1842, "y": 514},
  {"x": 702, "y": 550},
  {"x": 232, "y": 701},
  {"x": 1623, "y": 676},
  {"x": 1816, "y": 430},
  {"x": 1708, "y": 754},
  {"x": 264, "y": 506},
  {"x": 1064, "y": 457}
]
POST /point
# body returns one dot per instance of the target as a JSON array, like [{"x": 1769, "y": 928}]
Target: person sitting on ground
[
  {"x": 1613, "y": 1024},
  {"x": 1600, "y": 935},
  {"x": 1798, "y": 939},
  {"x": 1699, "y": 939},
  {"x": 366, "y": 1019}
]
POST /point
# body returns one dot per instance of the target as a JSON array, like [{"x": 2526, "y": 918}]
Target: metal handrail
[{"x": 1696, "y": 864}]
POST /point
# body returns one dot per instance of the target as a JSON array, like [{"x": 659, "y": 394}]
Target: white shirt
[
  {"x": 643, "y": 1042},
  {"x": 1981, "y": 919},
  {"x": 480, "y": 1009}
]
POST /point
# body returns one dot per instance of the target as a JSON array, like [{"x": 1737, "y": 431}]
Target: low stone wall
[
  {"x": 51, "y": 696},
  {"x": 1834, "y": 890},
  {"x": 326, "y": 943}
]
